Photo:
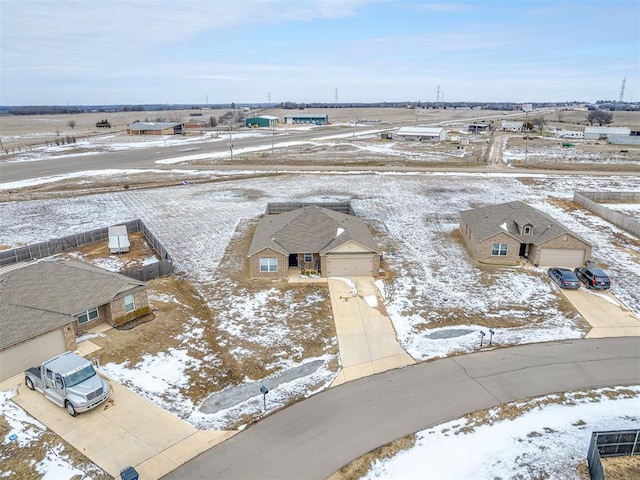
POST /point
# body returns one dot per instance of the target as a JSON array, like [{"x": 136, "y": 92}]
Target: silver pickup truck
[{"x": 69, "y": 381}]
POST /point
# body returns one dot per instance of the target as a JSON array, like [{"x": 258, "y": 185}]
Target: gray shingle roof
[
  {"x": 18, "y": 324},
  {"x": 152, "y": 125},
  {"x": 68, "y": 287},
  {"x": 507, "y": 217},
  {"x": 310, "y": 229}
]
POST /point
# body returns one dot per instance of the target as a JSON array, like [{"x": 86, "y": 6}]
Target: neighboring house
[
  {"x": 504, "y": 233},
  {"x": 509, "y": 126},
  {"x": 155, "y": 128},
  {"x": 422, "y": 134},
  {"x": 602, "y": 133},
  {"x": 313, "y": 238},
  {"x": 263, "y": 121},
  {"x": 45, "y": 304},
  {"x": 306, "y": 118}
]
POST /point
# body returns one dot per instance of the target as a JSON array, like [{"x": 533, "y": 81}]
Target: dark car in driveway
[
  {"x": 564, "y": 277},
  {"x": 593, "y": 278}
]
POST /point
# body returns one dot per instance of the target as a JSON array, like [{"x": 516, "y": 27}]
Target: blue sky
[{"x": 159, "y": 51}]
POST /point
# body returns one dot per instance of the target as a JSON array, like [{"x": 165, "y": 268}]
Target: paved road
[{"x": 316, "y": 437}]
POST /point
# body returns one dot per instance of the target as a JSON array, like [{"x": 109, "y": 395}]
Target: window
[
  {"x": 527, "y": 230},
  {"x": 88, "y": 316},
  {"x": 128, "y": 303},
  {"x": 308, "y": 257},
  {"x": 499, "y": 249},
  {"x": 268, "y": 264}
]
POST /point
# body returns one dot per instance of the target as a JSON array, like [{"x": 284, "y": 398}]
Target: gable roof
[
  {"x": 310, "y": 229},
  {"x": 153, "y": 125},
  {"x": 506, "y": 218},
  {"x": 18, "y": 323},
  {"x": 65, "y": 287}
]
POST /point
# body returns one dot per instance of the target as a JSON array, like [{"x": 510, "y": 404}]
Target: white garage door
[
  {"x": 28, "y": 354},
  {"x": 350, "y": 266},
  {"x": 558, "y": 257}
]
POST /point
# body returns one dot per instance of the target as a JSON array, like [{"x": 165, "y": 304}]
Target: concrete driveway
[
  {"x": 366, "y": 336},
  {"x": 127, "y": 430},
  {"x": 606, "y": 314}
]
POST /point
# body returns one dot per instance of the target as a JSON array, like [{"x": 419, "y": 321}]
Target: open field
[{"x": 216, "y": 329}]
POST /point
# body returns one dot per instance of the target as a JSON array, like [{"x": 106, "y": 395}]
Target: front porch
[{"x": 295, "y": 275}]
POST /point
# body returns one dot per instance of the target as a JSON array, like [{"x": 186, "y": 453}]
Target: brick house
[
  {"x": 45, "y": 304},
  {"x": 314, "y": 239},
  {"x": 504, "y": 233}
]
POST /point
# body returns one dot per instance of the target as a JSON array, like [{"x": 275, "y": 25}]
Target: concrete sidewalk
[
  {"x": 366, "y": 336},
  {"x": 606, "y": 314}
]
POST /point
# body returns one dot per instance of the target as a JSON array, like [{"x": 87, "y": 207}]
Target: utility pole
[
  {"x": 438, "y": 98},
  {"x": 269, "y": 97},
  {"x": 336, "y": 97},
  {"x": 624, "y": 83},
  {"x": 230, "y": 140}
]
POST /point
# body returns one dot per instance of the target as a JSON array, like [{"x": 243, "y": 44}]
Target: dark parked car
[
  {"x": 564, "y": 277},
  {"x": 593, "y": 278}
]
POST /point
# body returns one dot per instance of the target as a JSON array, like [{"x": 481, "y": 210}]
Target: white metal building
[
  {"x": 422, "y": 134},
  {"x": 602, "y": 133}
]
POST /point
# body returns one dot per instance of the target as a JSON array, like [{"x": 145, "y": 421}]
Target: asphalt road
[{"x": 316, "y": 437}]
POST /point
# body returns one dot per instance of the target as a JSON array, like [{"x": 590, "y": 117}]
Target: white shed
[
  {"x": 420, "y": 134},
  {"x": 118, "y": 239}
]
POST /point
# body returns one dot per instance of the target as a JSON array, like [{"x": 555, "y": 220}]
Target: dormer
[{"x": 524, "y": 225}]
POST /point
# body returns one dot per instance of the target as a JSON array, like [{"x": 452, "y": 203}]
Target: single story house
[
  {"x": 422, "y": 134},
  {"x": 45, "y": 304},
  {"x": 263, "y": 121},
  {"x": 506, "y": 232},
  {"x": 313, "y": 238},
  {"x": 155, "y": 128},
  {"x": 306, "y": 118},
  {"x": 511, "y": 126},
  {"x": 602, "y": 133}
]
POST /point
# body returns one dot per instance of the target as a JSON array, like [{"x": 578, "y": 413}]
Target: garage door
[
  {"x": 558, "y": 257},
  {"x": 28, "y": 354},
  {"x": 350, "y": 266}
]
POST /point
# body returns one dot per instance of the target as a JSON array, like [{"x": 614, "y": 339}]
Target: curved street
[{"x": 317, "y": 436}]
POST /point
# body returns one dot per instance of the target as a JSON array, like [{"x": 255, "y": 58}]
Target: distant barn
[{"x": 155, "y": 128}]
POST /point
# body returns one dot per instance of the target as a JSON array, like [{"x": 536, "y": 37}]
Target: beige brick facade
[
  {"x": 282, "y": 264},
  {"x": 70, "y": 336},
  {"x": 114, "y": 313},
  {"x": 565, "y": 241}
]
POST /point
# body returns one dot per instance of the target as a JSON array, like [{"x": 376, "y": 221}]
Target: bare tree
[
  {"x": 213, "y": 121},
  {"x": 539, "y": 123},
  {"x": 72, "y": 124},
  {"x": 600, "y": 117},
  {"x": 560, "y": 115}
]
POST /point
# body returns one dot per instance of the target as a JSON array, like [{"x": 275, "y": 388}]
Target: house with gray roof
[
  {"x": 45, "y": 304},
  {"x": 315, "y": 239},
  {"x": 155, "y": 128},
  {"x": 505, "y": 233}
]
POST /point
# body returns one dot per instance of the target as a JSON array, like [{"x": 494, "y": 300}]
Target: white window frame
[
  {"x": 129, "y": 303},
  {"x": 308, "y": 257},
  {"x": 268, "y": 264},
  {"x": 499, "y": 249},
  {"x": 88, "y": 316},
  {"x": 527, "y": 230}
]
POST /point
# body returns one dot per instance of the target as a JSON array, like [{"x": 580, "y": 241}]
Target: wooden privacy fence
[
  {"x": 613, "y": 443},
  {"x": 591, "y": 201},
  {"x": 59, "y": 245}
]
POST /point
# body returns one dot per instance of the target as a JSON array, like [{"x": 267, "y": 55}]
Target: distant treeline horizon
[{"x": 76, "y": 109}]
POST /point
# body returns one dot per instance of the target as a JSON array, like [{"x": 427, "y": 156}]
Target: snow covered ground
[
  {"x": 438, "y": 300},
  {"x": 548, "y": 440}
]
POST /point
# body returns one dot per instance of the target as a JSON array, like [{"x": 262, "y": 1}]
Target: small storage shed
[
  {"x": 263, "y": 121},
  {"x": 118, "y": 239},
  {"x": 478, "y": 127}
]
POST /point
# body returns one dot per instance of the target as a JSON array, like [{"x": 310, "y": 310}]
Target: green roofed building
[{"x": 263, "y": 121}]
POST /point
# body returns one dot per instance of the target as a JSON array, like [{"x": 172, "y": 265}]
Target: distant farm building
[
  {"x": 306, "y": 118},
  {"x": 478, "y": 127},
  {"x": 508, "y": 126},
  {"x": 570, "y": 134},
  {"x": 602, "y": 133},
  {"x": 263, "y": 121},
  {"x": 422, "y": 134},
  {"x": 155, "y": 128}
]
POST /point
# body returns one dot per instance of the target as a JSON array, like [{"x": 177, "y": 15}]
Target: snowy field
[{"x": 548, "y": 440}]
